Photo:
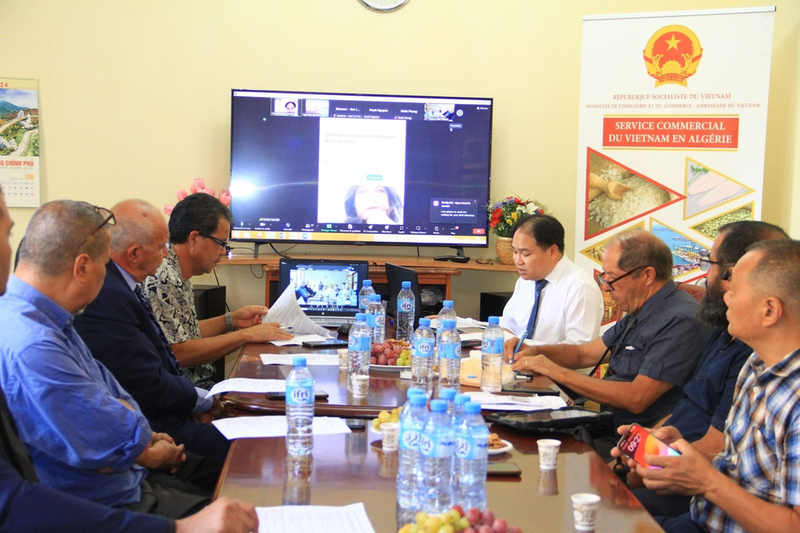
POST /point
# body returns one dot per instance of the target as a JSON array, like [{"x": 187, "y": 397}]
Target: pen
[
  {"x": 519, "y": 345},
  {"x": 286, "y": 328}
]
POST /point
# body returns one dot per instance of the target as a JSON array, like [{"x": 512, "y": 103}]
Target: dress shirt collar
[
  {"x": 655, "y": 301},
  {"x": 59, "y": 316},
  {"x": 174, "y": 263},
  {"x": 127, "y": 277},
  {"x": 557, "y": 271},
  {"x": 783, "y": 368}
]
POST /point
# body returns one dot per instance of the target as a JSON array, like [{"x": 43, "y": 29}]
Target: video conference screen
[{"x": 346, "y": 168}]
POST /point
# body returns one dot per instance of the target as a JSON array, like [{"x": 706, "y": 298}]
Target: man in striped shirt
[{"x": 754, "y": 483}]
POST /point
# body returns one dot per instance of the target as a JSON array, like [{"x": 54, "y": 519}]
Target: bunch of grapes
[
  {"x": 386, "y": 416},
  {"x": 457, "y": 521},
  {"x": 390, "y": 352}
]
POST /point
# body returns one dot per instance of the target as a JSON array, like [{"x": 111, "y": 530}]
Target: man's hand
[
  {"x": 270, "y": 331},
  {"x": 248, "y": 316},
  {"x": 690, "y": 474},
  {"x": 508, "y": 349},
  {"x": 215, "y": 413},
  {"x": 223, "y": 516},
  {"x": 536, "y": 363},
  {"x": 162, "y": 454}
]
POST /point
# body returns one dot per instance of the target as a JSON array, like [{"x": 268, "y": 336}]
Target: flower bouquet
[{"x": 502, "y": 217}]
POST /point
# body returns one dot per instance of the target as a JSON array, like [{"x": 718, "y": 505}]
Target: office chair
[{"x": 396, "y": 275}]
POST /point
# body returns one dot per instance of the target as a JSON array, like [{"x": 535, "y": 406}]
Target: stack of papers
[
  {"x": 248, "y": 385},
  {"x": 462, "y": 323},
  {"x": 249, "y": 427},
  {"x": 286, "y": 311},
  {"x": 499, "y": 402},
  {"x": 313, "y": 518},
  {"x": 298, "y": 340},
  {"x": 311, "y": 358}
]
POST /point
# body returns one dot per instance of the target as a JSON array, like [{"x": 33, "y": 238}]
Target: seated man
[
  {"x": 700, "y": 416},
  {"x": 752, "y": 484},
  {"x": 122, "y": 333},
  {"x": 84, "y": 433},
  {"x": 570, "y": 303},
  {"x": 198, "y": 234},
  {"x": 651, "y": 352},
  {"x": 25, "y": 505}
]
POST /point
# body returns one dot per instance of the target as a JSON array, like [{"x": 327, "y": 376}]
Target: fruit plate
[
  {"x": 497, "y": 451},
  {"x": 395, "y": 368}
]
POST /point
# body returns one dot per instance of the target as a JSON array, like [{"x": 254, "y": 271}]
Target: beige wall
[{"x": 135, "y": 96}]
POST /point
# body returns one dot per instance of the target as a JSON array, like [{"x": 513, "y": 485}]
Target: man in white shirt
[{"x": 570, "y": 305}]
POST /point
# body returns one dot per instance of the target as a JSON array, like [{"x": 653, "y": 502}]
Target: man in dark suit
[{"x": 122, "y": 333}]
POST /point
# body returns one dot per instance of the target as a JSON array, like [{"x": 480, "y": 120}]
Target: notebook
[{"x": 326, "y": 289}]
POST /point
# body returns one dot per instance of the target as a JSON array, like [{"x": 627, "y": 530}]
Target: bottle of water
[
  {"x": 422, "y": 357},
  {"x": 299, "y": 409},
  {"x": 449, "y": 396},
  {"x": 405, "y": 313},
  {"x": 458, "y": 409},
  {"x": 492, "y": 357},
  {"x": 472, "y": 445},
  {"x": 364, "y": 294},
  {"x": 409, "y": 470},
  {"x": 437, "y": 446},
  {"x": 407, "y": 406},
  {"x": 376, "y": 318},
  {"x": 359, "y": 344},
  {"x": 449, "y": 358},
  {"x": 446, "y": 313}
]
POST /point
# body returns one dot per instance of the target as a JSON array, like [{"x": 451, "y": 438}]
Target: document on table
[
  {"x": 478, "y": 335},
  {"x": 298, "y": 340},
  {"x": 249, "y": 427},
  {"x": 287, "y": 312},
  {"x": 313, "y": 518},
  {"x": 501, "y": 402},
  {"x": 463, "y": 323},
  {"x": 248, "y": 385},
  {"x": 311, "y": 358}
]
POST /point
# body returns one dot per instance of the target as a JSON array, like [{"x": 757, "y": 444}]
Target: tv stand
[
  {"x": 257, "y": 248},
  {"x": 458, "y": 258}
]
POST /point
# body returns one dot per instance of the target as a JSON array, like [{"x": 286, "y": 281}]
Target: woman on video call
[{"x": 373, "y": 204}]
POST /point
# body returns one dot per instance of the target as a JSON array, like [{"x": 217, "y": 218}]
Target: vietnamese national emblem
[{"x": 672, "y": 55}]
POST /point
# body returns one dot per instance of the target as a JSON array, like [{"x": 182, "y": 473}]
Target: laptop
[{"x": 326, "y": 289}]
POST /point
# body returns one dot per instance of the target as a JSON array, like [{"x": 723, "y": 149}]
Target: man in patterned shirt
[
  {"x": 754, "y": 483},
  {"x": 198, "y": 232}
]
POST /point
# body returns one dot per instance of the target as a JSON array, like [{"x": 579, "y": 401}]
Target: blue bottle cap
[
  {"x": 447, "y": 394},
  {"x": 406, "y": 284},
  {"x": 447, "y": 303},
  {"x": 374, "y": 297},
  {"x": 494, "y": 320},
  {"x": 412, "y": 391},
  {"x": 361, "y": 317},
  {"x": 367, "y": 283},
  {"x": 300, "y": 360},
  {"x": 424, "y": 322},
  {"x": 418, "y": 400},
  {"x": 449, "y": 323},
  {"x": 472, "y": 408},
  {"x": 438, "y": 406},
  {"x": 461, "y": 399}
]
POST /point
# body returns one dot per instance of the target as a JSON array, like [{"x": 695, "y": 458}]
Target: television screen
[{"x": 349, "y": 168}]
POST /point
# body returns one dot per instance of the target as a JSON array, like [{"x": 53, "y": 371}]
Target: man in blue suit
[{"x": 122, "y": 333}]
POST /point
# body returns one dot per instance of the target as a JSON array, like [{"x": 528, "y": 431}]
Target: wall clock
[{"x": 383, "y": 6}]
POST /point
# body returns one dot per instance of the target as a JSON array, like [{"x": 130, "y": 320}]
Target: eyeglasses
[
  {"x": 610, "y": 283},
  {"x": 705, "y": 264},
  {"x": 108, "y": 218},
  {"x": 222, "y": 243}
]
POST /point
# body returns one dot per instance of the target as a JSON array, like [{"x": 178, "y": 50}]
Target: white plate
[
  {"x": 397, "y": 368},
  {"x": 497, "y": 451}
]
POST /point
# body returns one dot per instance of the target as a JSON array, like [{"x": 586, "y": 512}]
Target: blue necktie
[
  {"x": 149, "y": 310},
  {"x": 537, "y": 298}
]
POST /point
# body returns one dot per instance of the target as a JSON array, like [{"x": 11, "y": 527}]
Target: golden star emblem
[{"x": 673, "y": 43}]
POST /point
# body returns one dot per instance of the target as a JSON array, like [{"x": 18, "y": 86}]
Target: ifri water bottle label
[
  {"x": 450, "y": 351},
  {"x": 442, "y": 447},
  {"x": 363, "y": 303},
  {"x": 359, "y": 344},
  {"x": 409, "y": 439},
  {"x": 494, "y": 346},
  {"x": 468, "y": 448},
  {"x": 423, "y": 347},
  {"x": 406, "y": 306},
  {"x": 297, "y": 395}
]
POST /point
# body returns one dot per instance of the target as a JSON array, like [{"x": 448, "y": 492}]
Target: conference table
[{"x": 352, "y": 468}]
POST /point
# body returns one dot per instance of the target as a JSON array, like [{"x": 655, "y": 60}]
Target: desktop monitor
[{"x": 360, "y": 169}]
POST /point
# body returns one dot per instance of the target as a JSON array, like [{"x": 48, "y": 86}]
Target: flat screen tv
[{"x": 359, "y": 169}]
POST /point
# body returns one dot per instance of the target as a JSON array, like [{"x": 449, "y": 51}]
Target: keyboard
[{"x": 332, "y": 321}]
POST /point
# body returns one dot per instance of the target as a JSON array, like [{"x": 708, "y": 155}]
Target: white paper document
[
  {"x": 250, "y": 427},
  {"x": 313, "y": 518},
  {"x": 248, "y": 385},
  {"x": 311, "y": 358},
  {"x": 478, "y": 335},
  {"x": 501, "y": 402},
  {"x": 298, "y": 340},
  {"x": 287, "y": 312},
  {"x": 463, "y": 323}
]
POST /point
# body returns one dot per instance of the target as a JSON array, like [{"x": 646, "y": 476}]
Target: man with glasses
[
  {"x": 651, "y": 352},
  {"x": 198, "y": 233},
  {"x": 121, "y": 331},
  {"x": 85, "y": 433},
  {"x": 700, "y": 416}
]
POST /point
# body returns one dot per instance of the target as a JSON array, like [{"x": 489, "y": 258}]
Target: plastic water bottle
[
  {"x": 299, "y": 409},
  {"x": 472, "y": 445},
  {"x": 364, "y": 294},
  {"x": 449, "y": 358},
  {"x": 458, "y": 409},
  {"x": 492, "y": 357},
  {"x": 407, "y": 406},
  {"x": 447, "y": 313},
  {"x": 422, "y": 350},
  {"x": 437, "y": 446},
  {"x": 376, "y": 318},
  {"x": 359, "y": 344},
  {"x": 409, "y": 471},
  {"x": 405, "y": 313},
  {"x": 448, "y": 395}
]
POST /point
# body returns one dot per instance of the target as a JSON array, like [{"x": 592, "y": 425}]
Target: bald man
[{"x": 121, "y": 331}]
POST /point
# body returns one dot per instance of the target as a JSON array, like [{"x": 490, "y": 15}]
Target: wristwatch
[{"x": 229, "y": 322}]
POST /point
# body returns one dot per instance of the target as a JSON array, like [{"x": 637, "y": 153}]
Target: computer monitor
[{"x": 324, "y": 287}]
